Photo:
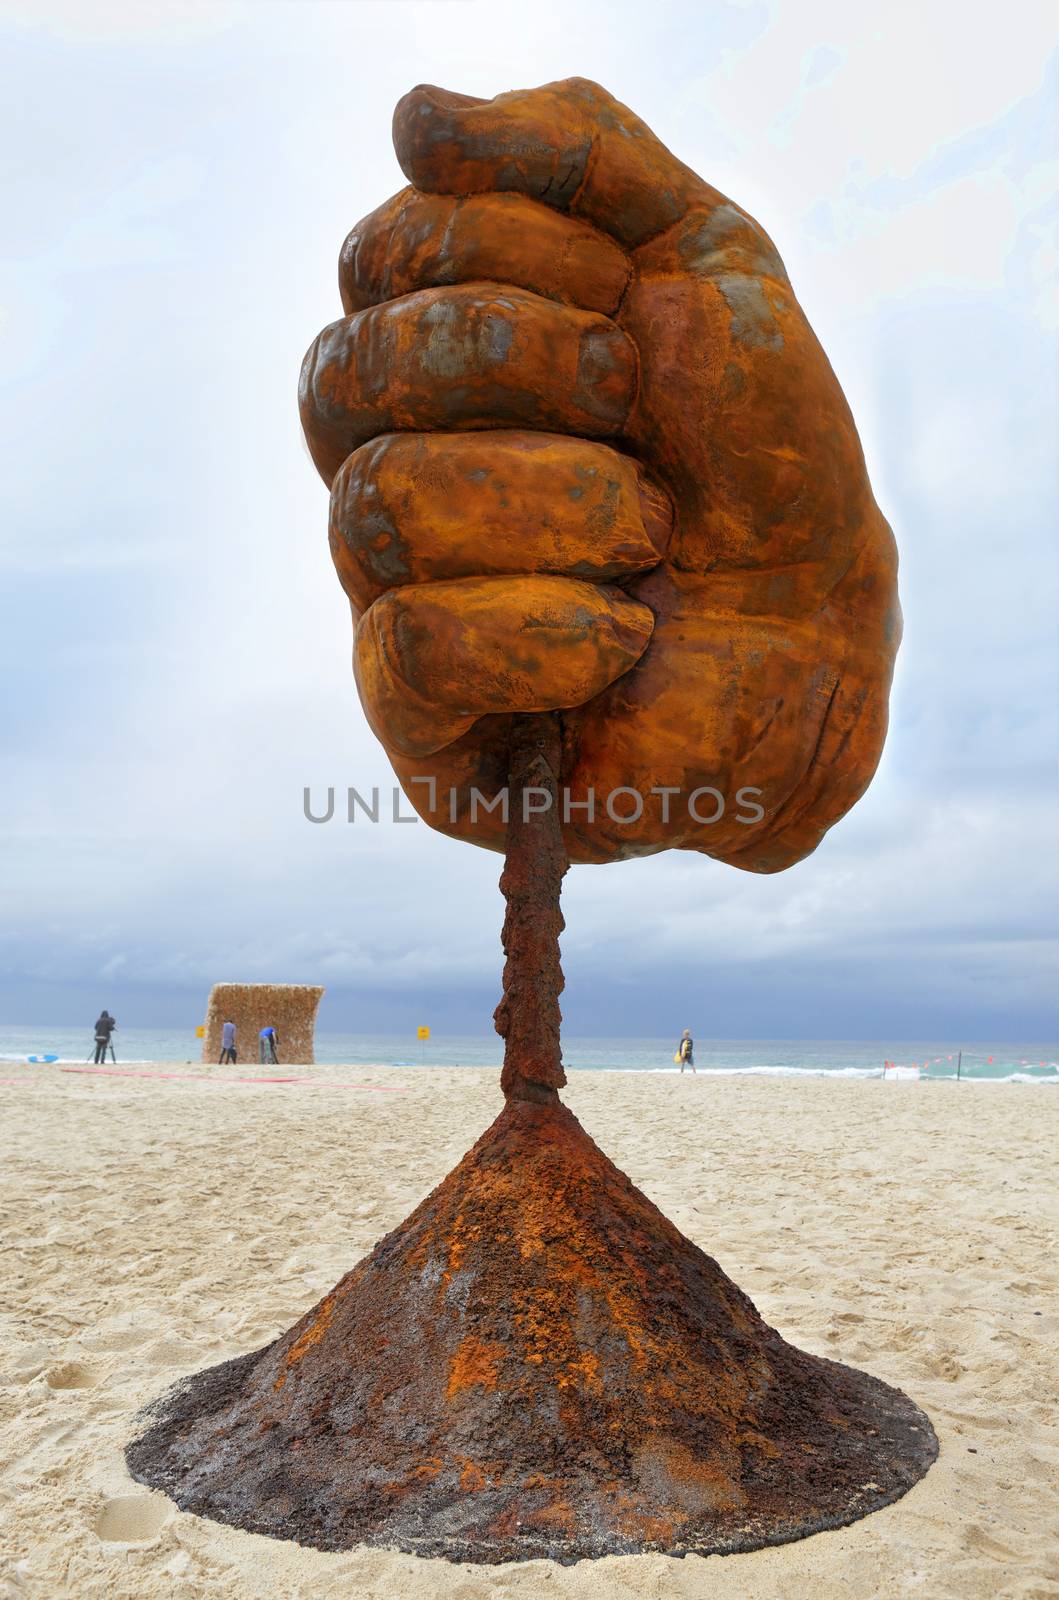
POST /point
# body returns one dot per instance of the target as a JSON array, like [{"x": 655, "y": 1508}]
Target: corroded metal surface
[
  {"x": 588, "y": 464},
  {"x": 528, "y": 1018},
  {"x": 535, "y": 1363},
  {"x": 587, "y": 455}
]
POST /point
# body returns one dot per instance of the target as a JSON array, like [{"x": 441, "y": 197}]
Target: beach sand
[{"x": 152, "y": 1226}]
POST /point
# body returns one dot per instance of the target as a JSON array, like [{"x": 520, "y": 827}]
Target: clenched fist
[{"x": 586, "y": 455}]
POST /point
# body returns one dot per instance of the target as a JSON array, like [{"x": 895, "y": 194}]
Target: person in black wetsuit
[{"x": 105, "y": 1026}]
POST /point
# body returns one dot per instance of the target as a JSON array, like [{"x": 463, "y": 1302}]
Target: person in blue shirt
[
  {"x": 268, "y": 1046},
  {"x": 228, "y": 1050}
]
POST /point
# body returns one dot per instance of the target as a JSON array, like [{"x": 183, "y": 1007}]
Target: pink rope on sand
[
  {"x": 124, "y": 1072},
  {"x": 195, "y": 1077}
]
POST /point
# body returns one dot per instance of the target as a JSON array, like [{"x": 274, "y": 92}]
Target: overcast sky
[{"x": 177, "y": 182}]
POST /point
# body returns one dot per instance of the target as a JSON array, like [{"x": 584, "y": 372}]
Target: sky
[{"x": 177, "y": 182}]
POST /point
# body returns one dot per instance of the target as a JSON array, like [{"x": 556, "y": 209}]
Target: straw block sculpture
[{"x": 290, "y": 1008}]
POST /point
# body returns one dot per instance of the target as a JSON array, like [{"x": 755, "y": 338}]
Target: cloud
[
  {"x": 126, "y": 21},
  {"x": 179, "y": 645}
]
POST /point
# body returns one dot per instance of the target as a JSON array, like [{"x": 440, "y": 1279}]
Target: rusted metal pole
[{"x": 528, "y": 1017}]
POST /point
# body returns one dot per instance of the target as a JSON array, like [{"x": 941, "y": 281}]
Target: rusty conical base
[{"x": 535, "y": 1363}]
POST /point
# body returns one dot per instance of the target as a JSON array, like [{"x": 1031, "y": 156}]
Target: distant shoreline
[{"x": 195, "y": 1070}]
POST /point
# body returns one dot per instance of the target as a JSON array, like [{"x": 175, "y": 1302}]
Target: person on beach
[
  {"x": 686, "y": 1050},
  {"x": 105, "y": 1025},
  {"x": 268, "y": 1044},
  {"x": 228, "y": 1050}
]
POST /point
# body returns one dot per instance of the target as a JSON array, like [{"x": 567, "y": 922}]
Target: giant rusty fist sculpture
[
  {"x": 586, "y": 454},
  {"x": 601, "y": 513}
]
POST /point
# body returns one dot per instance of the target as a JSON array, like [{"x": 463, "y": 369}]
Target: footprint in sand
[
  {"x": 172, "y": 1352},
  {"x": 71, "y": 1375},
  {"x": 945, "y": 1366},
  {"x": 119, "y": 1334},
  {"x": 28, "y": 1364},
  {"x": 984, "y": 1544},
  {"x": 903, "y": 1336},
  {"x": 133, "y": 1518}
]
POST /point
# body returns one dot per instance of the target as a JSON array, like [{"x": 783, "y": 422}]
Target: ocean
[{"x": 990, "y": 1061}]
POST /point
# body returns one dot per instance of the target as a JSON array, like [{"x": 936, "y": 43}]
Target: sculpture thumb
[{"x": 570, "y": 145}]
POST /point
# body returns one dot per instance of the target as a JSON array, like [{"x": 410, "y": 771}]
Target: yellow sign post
[
  {"x": 422, "y": 1034},
  {"x": 200, "y": 1032}
]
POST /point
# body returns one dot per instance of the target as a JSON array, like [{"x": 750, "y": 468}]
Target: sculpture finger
[
  {"x": 433, "y": 658},
  {"x": 423, "y": 241},
  {"x": 414, "y": 507},
  {"x": 476, "y": 356},
  {"x": 570, "y": 145}
]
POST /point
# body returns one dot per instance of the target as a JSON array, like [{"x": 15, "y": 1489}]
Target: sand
[{"x": 155, "y": 1225}]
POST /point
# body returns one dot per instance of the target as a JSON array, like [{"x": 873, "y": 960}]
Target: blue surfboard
[{"x": 41, "y": 1059}]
